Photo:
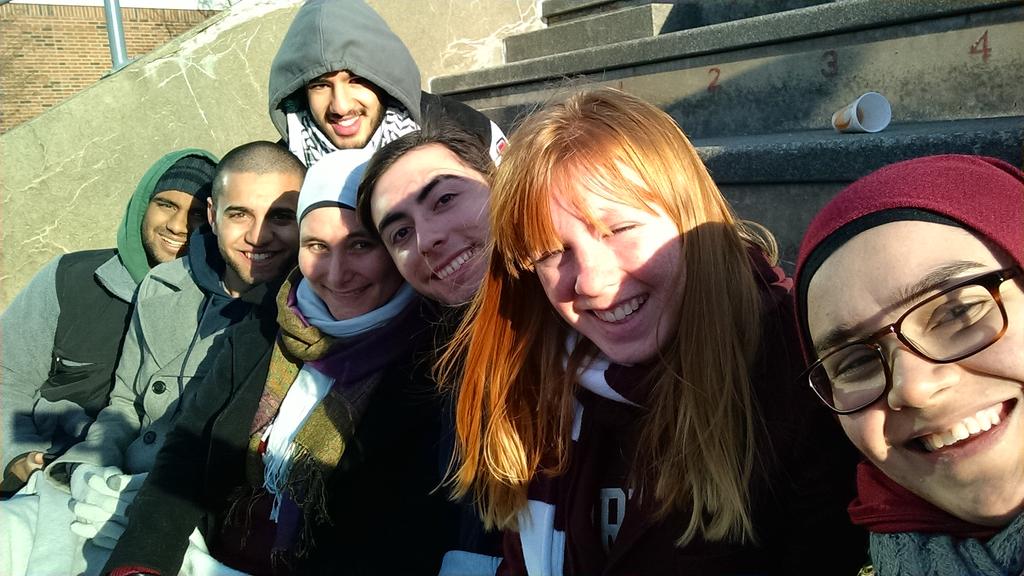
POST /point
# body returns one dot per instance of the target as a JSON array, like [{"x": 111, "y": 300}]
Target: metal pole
[{"x": 115, "y": 34}]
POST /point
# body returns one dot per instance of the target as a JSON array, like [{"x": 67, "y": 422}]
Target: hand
[
  {"x": 103, "y": 532},
  {"x": 99, "y": 500},
  {"x": 26, "y": 465}
]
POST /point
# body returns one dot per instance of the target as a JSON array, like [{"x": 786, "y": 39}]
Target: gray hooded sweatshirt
[{"x": 332, "y": 35}]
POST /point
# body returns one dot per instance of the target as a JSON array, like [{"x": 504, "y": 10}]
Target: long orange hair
[{"x": 515, "y": 397}]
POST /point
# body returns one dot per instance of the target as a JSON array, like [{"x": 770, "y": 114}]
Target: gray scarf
[{"x": 917, "y": 554}]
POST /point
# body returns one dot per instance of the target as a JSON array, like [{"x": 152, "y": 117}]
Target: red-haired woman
[{"x": 625, "y": 375}]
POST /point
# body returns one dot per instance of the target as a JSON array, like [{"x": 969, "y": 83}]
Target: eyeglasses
[{"x": 954, "y": 324}]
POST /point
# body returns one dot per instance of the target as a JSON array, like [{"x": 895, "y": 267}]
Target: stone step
[
  {"x": 824, "y": 20},
  {"x": 611, "y": 28},
  {"x": 620, "y": 26},
  {"x": 693, "y": 12},
  {"x": 782, "y": 180},
  {"x": 784, "y": 209},
  {"x": 953, "y": 67},
  {"x": 562, "y": 11},
  {"x": 620, "y": 23},
  {"x": 828, "y": 156}
]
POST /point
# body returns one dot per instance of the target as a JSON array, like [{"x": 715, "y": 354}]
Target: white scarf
[
  {"x": 543, "y": 546},
  {"x": 311, "y": 386},
  {"x": 591, "y": 375}
]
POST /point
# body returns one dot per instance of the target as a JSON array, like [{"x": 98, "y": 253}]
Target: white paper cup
[{"x": 870, "y": 112}]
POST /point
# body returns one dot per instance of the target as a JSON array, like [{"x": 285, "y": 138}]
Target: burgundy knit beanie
[{"x": 983, "y": 195}]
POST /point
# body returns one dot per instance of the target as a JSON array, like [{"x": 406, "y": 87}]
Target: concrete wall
[{"x": 67, "y": 174}]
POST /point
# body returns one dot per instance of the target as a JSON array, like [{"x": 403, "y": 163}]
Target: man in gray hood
[{"x": 343, "y": 79}]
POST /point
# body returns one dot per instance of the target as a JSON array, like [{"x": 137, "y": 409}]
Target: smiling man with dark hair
[
  {"x": 343, "y": 79},
  {"x": 255, "y": 247}
]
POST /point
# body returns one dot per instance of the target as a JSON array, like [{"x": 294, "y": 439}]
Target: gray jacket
[
  {"x": 28, "y": 326},
  {"x": 181, "y": 312}
]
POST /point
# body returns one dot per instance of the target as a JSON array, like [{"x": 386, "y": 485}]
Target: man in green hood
[
  {"x": 342, "y": 79},
  {"x": 62, "y": 334}
]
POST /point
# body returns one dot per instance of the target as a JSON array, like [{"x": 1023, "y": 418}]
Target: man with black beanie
[{"x": 62, "y": 334}]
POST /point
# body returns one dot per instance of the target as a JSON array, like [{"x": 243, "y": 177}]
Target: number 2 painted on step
[
  {"x": 713, "y": 87},
  {"x": 981, "y": 47}
]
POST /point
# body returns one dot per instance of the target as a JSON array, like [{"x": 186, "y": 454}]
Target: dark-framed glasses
[{"x": 947, "y": 327}]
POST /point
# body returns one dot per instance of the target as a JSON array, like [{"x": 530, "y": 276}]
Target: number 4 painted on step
[{"x": 981, "y": 47}]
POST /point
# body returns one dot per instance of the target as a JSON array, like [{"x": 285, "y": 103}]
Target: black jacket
[{"x": 386, "y": 515}]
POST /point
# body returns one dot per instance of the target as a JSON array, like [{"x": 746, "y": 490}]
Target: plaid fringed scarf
[
  {"x": 356, "y": 365},
  {"x": 310, "y": 144}
]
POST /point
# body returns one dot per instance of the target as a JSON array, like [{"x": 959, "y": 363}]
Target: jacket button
[
  {"x": 159, "y": 387},
  {"x": 149, "y": 437}
]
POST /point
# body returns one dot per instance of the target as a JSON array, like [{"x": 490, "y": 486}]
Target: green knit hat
[{"x": 129, "y": 234}]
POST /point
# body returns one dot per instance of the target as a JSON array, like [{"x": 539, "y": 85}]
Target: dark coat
[
  {"x": 803, "y": 479},
  {"x": 384, "y": 517}
]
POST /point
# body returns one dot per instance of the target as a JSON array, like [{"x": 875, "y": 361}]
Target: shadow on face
[
  {"x": 170, "y": 217},
  {"x": 616, "y": 278},
  {"x": 254, "y": 220}
]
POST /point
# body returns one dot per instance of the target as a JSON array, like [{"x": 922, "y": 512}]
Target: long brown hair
[{"x": 696, "y": 451}]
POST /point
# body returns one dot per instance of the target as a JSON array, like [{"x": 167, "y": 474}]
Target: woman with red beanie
[{"x": 910, "y": 302}]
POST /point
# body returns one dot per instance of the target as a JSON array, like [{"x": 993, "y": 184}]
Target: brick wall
[{"x": 50, "y": 53}]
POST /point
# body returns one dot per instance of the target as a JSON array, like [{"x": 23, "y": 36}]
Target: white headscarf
[{"x": 333, "y": 181}]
